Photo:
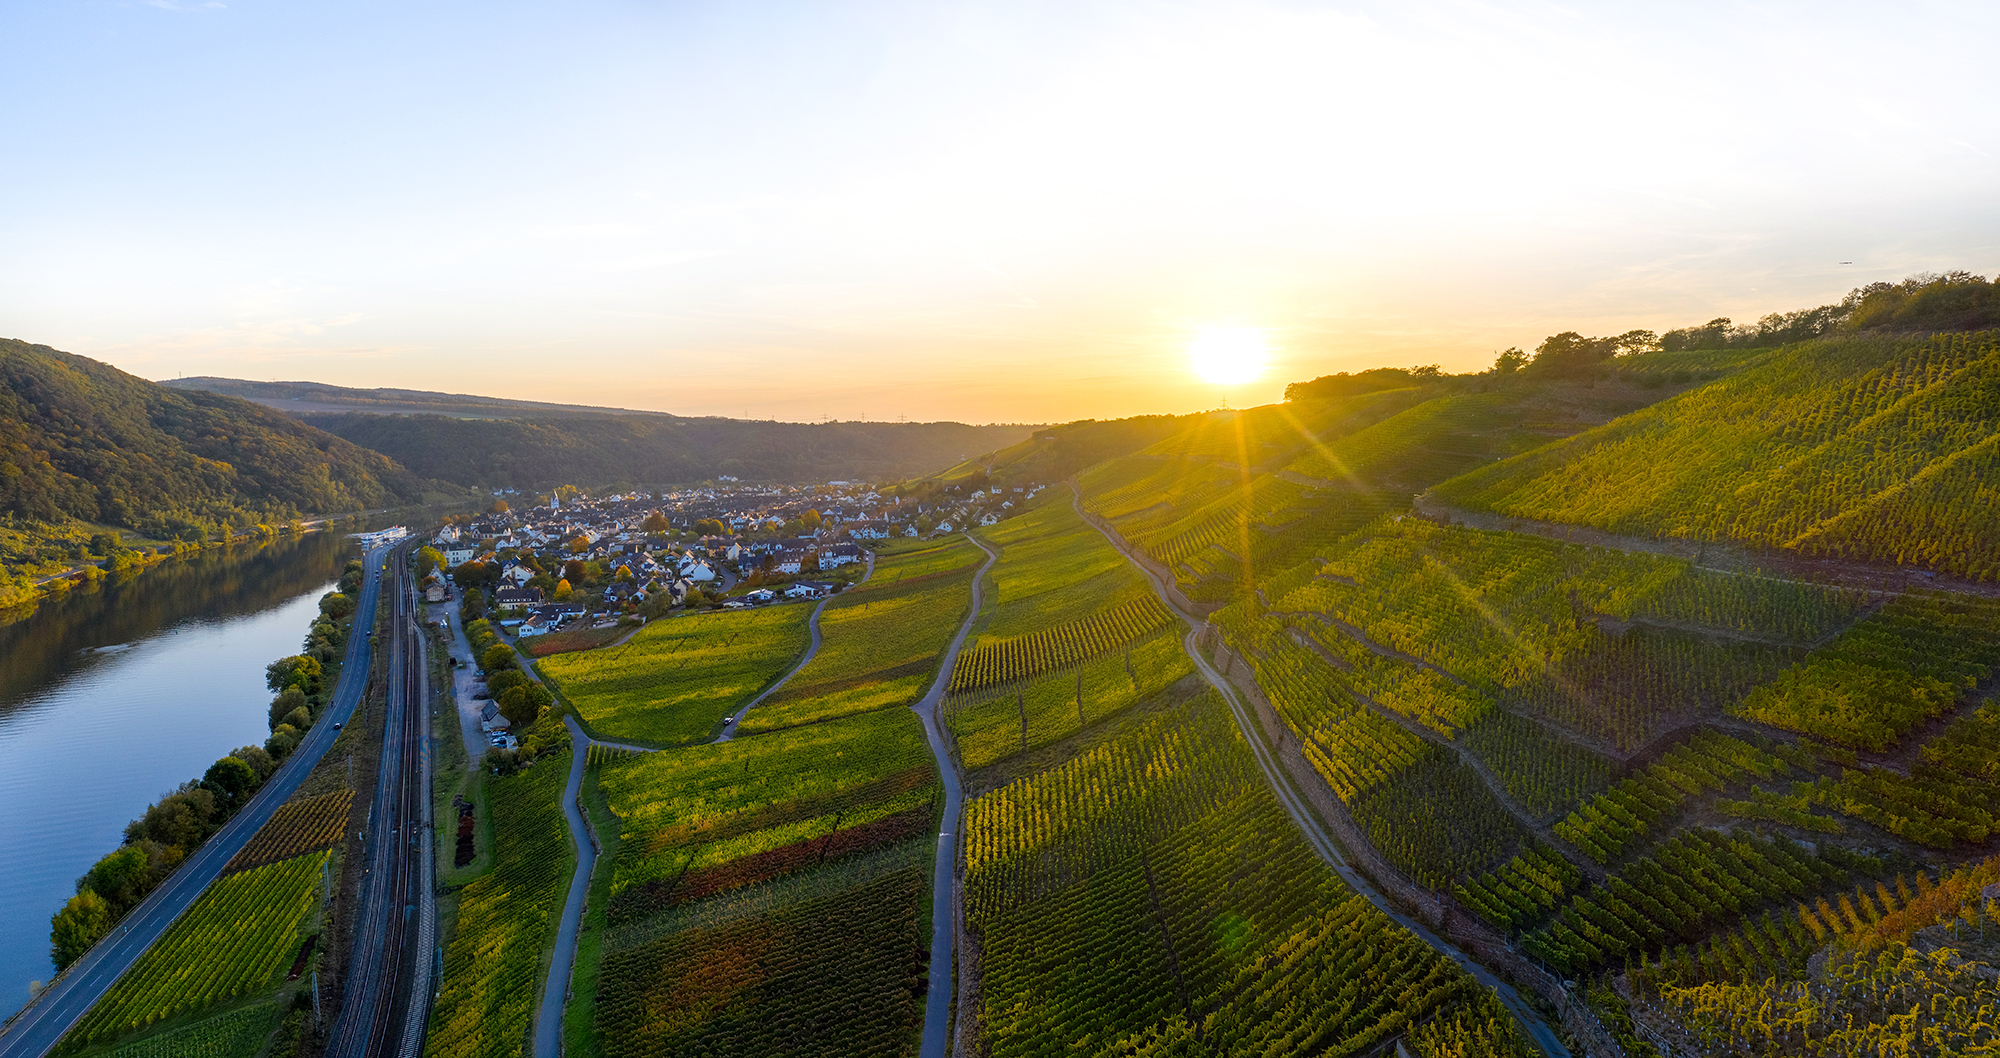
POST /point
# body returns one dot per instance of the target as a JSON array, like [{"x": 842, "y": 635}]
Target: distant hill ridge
[
  {"x": 300, "y": 398},
  {"x": 82, "y": 439}
]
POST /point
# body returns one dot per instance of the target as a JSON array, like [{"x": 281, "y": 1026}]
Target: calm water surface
[{"x": 113, "y": 696}]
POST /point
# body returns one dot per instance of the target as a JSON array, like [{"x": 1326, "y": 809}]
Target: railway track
[{"x": 389, "y": 981}]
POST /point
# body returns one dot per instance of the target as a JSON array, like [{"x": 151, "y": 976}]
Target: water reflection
[{"x": 116, "y": 692}]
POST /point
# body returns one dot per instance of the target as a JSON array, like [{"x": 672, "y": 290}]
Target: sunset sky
[{"x": 1008, "y": 211}]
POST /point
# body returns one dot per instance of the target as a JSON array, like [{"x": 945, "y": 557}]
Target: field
[
  {"x": 1873, "y": 448},
  {"x": 237, "y": 939},
  {"x": 676, "y": 680},
  {"x": 767, "y": 890},
  {"x": 700, "y": 808},
  {"x": 880, "y": 641},
  {"x": 301, "y": 826},
  {"x": 504, "y": 919},
  {"x": 1151, "y": 891}
]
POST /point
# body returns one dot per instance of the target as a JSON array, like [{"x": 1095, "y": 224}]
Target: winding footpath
[
  {"x": 36, "y": 1029},
  {"x": 945, "y": 910},
  {"x": 556, "y": 987},
  {"x": 1316, "y": 836},
  {"x": 555, "y": 990}
]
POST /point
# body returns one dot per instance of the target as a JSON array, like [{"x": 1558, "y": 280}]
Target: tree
[
  {"x": 1509, "y": 360},
  {"x": 1570, "y": 355},
  {"x": 472, "y": 605},
  {"x": 289, "y": 701},
  {"x": 230, "y": 776},
  {"x": 565, "y": 493},
  {"x": 810, "y": 518},
  {"x": 573, "y": 570},
  {"x": 563, "y": 590},
  {"x": 499, "y": 507},
  {"x": 655, "y": 522},
  {"x": 521, "y": 705},
  {"x": 498, "y": 656},
  {"x": 296, "y": 671},
  {"x": 579, "y": 544},
  {"x": 80, "y": 924},
  {"x": 259, "y": 760},
  {"x": 501, "y": 682},
  {"x": 428, "y": 559},
  {"x": 120, "y": 878}
]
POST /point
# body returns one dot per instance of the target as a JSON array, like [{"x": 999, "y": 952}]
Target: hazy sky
[{"x": 1007, "y": 211}]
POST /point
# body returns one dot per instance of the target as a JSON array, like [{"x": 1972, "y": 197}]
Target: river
[{"x": 113, "y": 695}]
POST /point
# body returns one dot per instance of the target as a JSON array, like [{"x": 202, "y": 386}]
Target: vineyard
[
  {"x": 674, "y": 681},
  {"x": 1870, "y": 448},
  {"x": 696, "y": 810},
  {"x": 298, "y": 827},
  {"x": 237, "y": 939},
  {"x": 838, "y": 974},
  {"x": 879, "y": 643},
  {"x": 1152, "y": 885},
  {"x": 1842, "y": 975},
  {"x": 1004, "y": 661},
  {"x": 505, "y": 919},
  {"x": 1615, "y": 821},
  {"x": 766, "y": 889},
  {"x": 1910, "y": 661},
  {"x": 1686, "y": 887},
  {"x": 1550, "y": 628},
  {"x": 997, "y": 722},
  {"x": 238, "y": 1033},
  {"x": 1053, "y": 569}
]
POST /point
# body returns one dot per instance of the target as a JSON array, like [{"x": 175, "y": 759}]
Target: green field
[
  {"x": 768, "y": 889},
  {"x": 678, "y": 678},
  {"x": 993, "y": 723},
  {"x": 239, "y": 938},
  {"x": 503, "y": 922},
  {"x": 702, "y": 807},
  {"x": 880, "y": 641}
]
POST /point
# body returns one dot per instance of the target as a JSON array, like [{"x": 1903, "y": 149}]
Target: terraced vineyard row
[
  {"x": 1914, "y": 659},
  {"x": 237, "y": 939},
  {"x": 1005, "y": 661}
]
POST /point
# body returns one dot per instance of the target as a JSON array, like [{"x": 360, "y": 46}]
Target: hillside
[
  {"x": 1656, "y": 779},
  {"x": 302, "y": 398},
  {"x": 620, "y": 450},
  {"x": 1873, "y": 448},
  {"x": 82, "y": 439}
]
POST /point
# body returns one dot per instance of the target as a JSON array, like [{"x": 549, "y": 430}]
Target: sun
[{"x": 1229, "y": 356}]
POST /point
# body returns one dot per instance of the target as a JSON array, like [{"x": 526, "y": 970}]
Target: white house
[{"x": 459, "y": 554}]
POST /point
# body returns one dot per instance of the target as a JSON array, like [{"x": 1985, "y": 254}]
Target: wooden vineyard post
[{"x": 1079, "y": 699}]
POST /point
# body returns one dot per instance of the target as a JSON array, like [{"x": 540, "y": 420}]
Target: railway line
[{"x": 389, "y": 981}]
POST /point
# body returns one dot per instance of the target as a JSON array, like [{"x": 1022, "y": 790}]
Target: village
[{"x": 575, "y": 562}]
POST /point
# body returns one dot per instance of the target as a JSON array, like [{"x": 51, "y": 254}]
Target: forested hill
[
  {"x": 1880, "y": 449},
  {"x": 625, "y": 450},
  {"x": 302, "y": 398},
  {"x": 82, "y": 439}
]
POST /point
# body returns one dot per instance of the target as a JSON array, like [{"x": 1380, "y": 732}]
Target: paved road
[
  {"x": 386, "y": 994},
  {"x": 36, "y": 1029},
  {"x": 462, "y": 681},
  {"x": 1316, "y": 836},
  {"x": 555, "y": 989},
  {"x": 944, "y": 875}
]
